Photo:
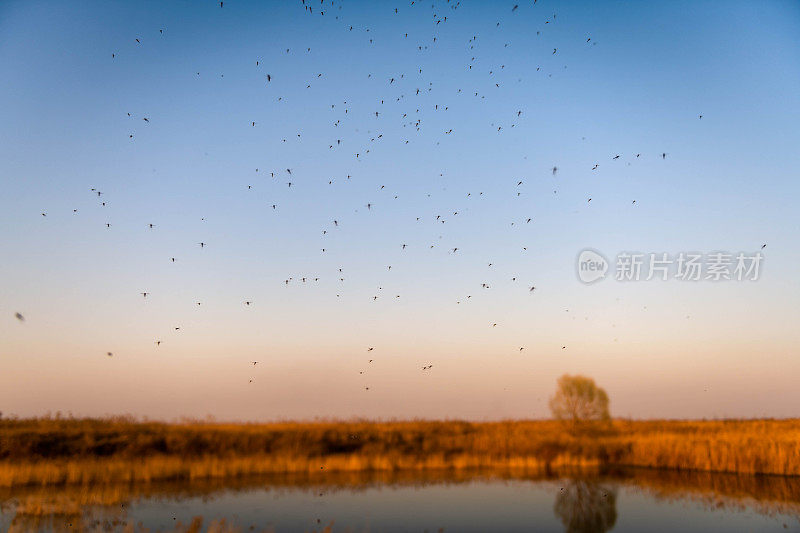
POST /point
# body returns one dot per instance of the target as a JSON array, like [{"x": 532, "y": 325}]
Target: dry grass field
[{"x": 58, "y": 451}]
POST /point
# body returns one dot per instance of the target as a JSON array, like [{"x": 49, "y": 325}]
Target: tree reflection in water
[{"x": 586, "y": 506}]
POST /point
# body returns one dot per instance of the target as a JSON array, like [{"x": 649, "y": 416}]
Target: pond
[{"x": 622, "y": 501}]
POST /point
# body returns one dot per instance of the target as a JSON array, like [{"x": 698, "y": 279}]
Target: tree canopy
[{"x": 578, "y": 400}]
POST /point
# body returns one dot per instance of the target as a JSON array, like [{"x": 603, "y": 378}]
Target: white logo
[
  {"x": 685, "y": 266},
  {"x": 591, "y": 266}
]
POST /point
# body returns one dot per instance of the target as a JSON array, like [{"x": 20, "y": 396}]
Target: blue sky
[{"x": 638, "y": 86}]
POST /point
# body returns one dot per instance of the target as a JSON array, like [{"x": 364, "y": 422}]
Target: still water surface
[{"x": 477, "y": 502}]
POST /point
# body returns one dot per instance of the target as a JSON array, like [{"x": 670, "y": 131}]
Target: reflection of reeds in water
[
  {"x": 765, "y": 494},
  {"x": 68, "y": 451},
  {"x": 584, "y": 500},
  {"x": 92, "y": 522}
]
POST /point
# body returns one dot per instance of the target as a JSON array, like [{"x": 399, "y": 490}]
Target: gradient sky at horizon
[{"x": 660, "y": 348}]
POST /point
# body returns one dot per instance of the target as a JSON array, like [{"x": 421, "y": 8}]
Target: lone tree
[{"x": 578, "y": 400}]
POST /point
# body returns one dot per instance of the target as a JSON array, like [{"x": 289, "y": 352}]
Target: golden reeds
[{"x": 89, "y": 451}]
